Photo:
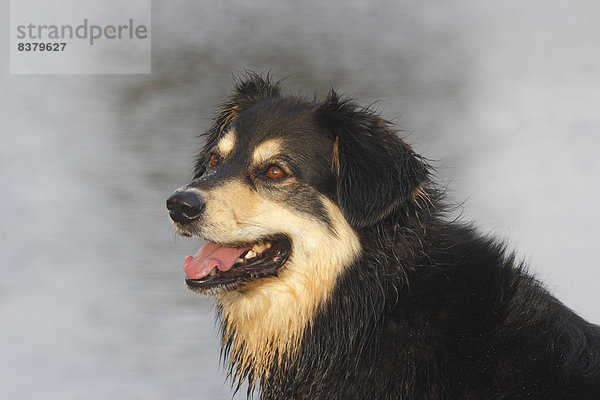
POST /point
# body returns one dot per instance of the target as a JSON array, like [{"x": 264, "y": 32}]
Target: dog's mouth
[{"x": 227, "y": 267}]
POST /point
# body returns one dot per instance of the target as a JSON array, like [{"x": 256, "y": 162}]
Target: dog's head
[{"x": 282, "y": 190}]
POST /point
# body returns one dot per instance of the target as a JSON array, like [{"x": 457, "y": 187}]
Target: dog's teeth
[
  {"x": 213, "y": 272},
  {"x": 250, "y": 254},
  {"x": 260, "y": 247},
  {"x": 239, "y": 260}
]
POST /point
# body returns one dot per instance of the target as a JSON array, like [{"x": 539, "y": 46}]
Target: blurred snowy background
[{"x": 505, "y": 96}]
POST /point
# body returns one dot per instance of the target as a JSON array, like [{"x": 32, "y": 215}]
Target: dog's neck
[{"x": 263, "y": 324}]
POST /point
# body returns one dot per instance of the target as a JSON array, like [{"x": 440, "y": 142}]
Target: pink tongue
[{"x": 209, "y": 257}]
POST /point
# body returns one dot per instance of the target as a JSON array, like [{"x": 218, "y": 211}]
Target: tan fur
[
  {"x": 227, "y": 143},
  {"x": 226, "y": 115},
  {"x": 266, "y": 150},
  {"x": 335, "y": 160},
  {"x": 421, "y": 198},
  {"x": 269, "y": 315}
]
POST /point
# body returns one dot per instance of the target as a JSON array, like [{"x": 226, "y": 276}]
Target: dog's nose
[{"x": 185, "y": 207}]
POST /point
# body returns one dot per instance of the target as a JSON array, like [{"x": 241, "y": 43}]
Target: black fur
[
  {"x": 431, "y": 309},
  {"x": 377, "y": 171},
  {"x": 442, "y": 314}
]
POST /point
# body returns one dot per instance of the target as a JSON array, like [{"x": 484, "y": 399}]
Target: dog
[{"x": 338, "y": 274}]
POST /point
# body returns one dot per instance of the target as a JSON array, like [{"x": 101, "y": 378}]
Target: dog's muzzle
[{"x": 185, "y": 206}]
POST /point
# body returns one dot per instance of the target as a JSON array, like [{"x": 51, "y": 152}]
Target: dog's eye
[
  {"x": 275, "y": 172},
  {"x": 214, "y": 160}
]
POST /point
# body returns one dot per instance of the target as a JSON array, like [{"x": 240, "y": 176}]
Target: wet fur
[{"x": 405, "y": 304}]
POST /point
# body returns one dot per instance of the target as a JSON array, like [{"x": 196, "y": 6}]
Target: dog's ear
[
  {"x": 249, "y": 88},
  {"x": 377, "y": 172}
]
